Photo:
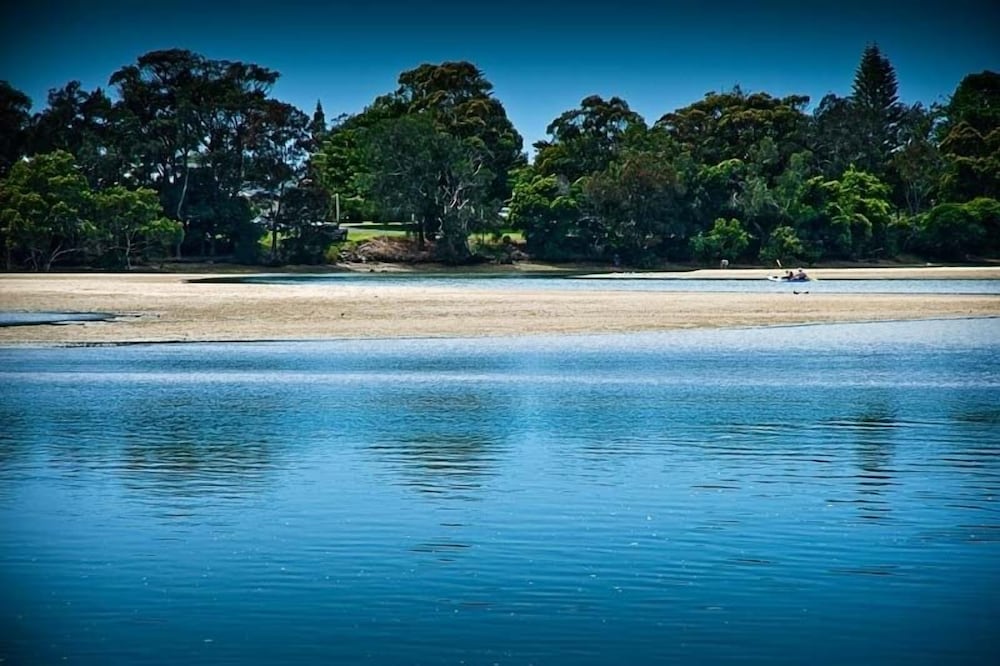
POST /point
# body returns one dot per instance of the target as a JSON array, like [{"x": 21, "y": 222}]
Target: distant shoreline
[
  {"x": 837, "y": 272},
  {"x": 866, "y": 273}
]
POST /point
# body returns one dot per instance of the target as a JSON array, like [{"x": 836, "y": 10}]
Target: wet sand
[{"x": 172, "y": 307}]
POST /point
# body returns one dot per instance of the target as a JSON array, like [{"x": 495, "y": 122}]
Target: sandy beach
[{"x": 177, "y": 307}]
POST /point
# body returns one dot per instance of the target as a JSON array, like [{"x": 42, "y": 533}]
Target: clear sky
[{"x": 542, "y": 57}]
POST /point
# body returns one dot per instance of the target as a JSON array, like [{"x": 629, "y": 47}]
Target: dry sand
[{"x": 170, "y": 307}]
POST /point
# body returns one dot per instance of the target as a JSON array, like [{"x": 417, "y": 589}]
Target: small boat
[{"x": 785, "y": 278}]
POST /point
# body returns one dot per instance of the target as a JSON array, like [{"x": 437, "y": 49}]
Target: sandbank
[{"x": 176, "y": 307}]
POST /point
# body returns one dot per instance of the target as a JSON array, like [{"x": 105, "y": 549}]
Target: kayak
[{"x": 780, "y": 278}]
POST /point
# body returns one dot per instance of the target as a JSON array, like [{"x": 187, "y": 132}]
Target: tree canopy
[{"x": 184, "y": 155}]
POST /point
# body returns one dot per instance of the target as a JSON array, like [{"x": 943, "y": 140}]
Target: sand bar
[{"x": 171, "y": 307}]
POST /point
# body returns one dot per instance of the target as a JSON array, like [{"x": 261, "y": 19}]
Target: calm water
[
  {"x": 815, "y": 494},
  {"x": 610, "y": 283},
  {"x": 9, "y": 318}
]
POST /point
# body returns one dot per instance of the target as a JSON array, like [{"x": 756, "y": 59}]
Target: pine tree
[
  {"x": 877, "y": 109},
  {"x": 317, "y": 128}
]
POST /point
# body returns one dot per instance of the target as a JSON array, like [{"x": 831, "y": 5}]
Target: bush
[
  {"x": 986, "y": 213},
  {"x": 950, "y": 231},
  {"x": 783, "y": 245},
  {"x": 726, "y": 240}
]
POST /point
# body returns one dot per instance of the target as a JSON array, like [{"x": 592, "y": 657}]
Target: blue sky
[{"x": 542, "y": 57}]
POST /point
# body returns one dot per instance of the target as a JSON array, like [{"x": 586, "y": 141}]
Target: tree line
[{"x": 195, "y": 158}]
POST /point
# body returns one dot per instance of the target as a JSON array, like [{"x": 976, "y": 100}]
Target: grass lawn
[
  {"x": 363, "y": 231},
  {"x": 367, "y": 230}
]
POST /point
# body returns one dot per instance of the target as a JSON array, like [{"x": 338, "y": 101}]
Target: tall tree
[
  {"x": 971, "y": 138},
  {"x": 917, "y": 164},
  {"x": 278, "y": 143},
  {"x": 876, "y": 109},
  {"x": 833, "y": 136},
  {"x": 459, "y": 99},
  {"x": 317, "y": 127},
  {"x": 731, "y": 125},
  {"x": 586, "y": 140},
  {"x": 15, "y": 117},
  {"x": 80, "y": 123},
  {"x": 411, "y": 166},
  {"x": 635, "y": 202},
  {"x": 194, "y": 118}
]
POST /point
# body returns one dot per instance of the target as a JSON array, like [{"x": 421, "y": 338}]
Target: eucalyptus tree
[
  {"x": 636, "y": 202},
  {"x": 918, "y": 163},
  {"x": 277, "y": 152},
  {"x": 741, "y": 144},
  {"x": 971, "y": 138},
  {"x": 585, "y": 140},
  {"x": 732, "y": 125},
  {"x": 459, "y": 99},
  {"x": 191, "y": 119},
  {"x": 156, "y": 103},
  {"x": 446, "y": 144},
  {"x": 15, "y": 118},
  {"x": 410, "y": 165},
  {"x": 832, "y": 136},
  {"x": 81, "y": 123}
]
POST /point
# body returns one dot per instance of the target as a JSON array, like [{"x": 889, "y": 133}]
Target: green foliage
[
  {"x": 412, "y": 167},
  {"x": 876, "y": 111},
  {"x": 726, "y": 240},
  {"x": 733, "y": 173},
  {"x": 546, "y": 209},
  {"x": 971, "y": 139},
  {"x": 859, "y": 214},
  {"x": 783, "y": 245},
  {"x": 201, "y": 132},
  {"x": 586, "y": 140},
  {"x": 846, "y": 218},
  {"x": 48, "y": 211},
  {"x": 634, "y": 203},
  {"x": 918, "y": 163},
  {"x": 986, "y": 212},
  {"x": 130, "y": 225},
  {"x": 45, "y": 211},
  {"x": 950, "y": 231},
  {"x": 730, "y": 126},
  {"x": 459, "y": 99},
  {"x": 15, "y": 117}
]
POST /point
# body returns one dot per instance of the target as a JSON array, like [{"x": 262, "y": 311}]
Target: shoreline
[{"x": 172, "y": 307}]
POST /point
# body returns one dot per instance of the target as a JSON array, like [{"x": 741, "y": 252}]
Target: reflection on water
[
  {"x": 701, "y": 496},
  {"x": 433, "y": 463}
]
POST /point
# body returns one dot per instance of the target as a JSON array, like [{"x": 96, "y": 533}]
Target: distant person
[
  {"x": 724, "y": 264},
  {"x": 801, "y": 275}
]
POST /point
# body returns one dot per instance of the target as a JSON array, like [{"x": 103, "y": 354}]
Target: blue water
[
  {"x": 611, "y": 283},
  {"x": 814, "y": 494},
  {"x": 10, "y": 318}
]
